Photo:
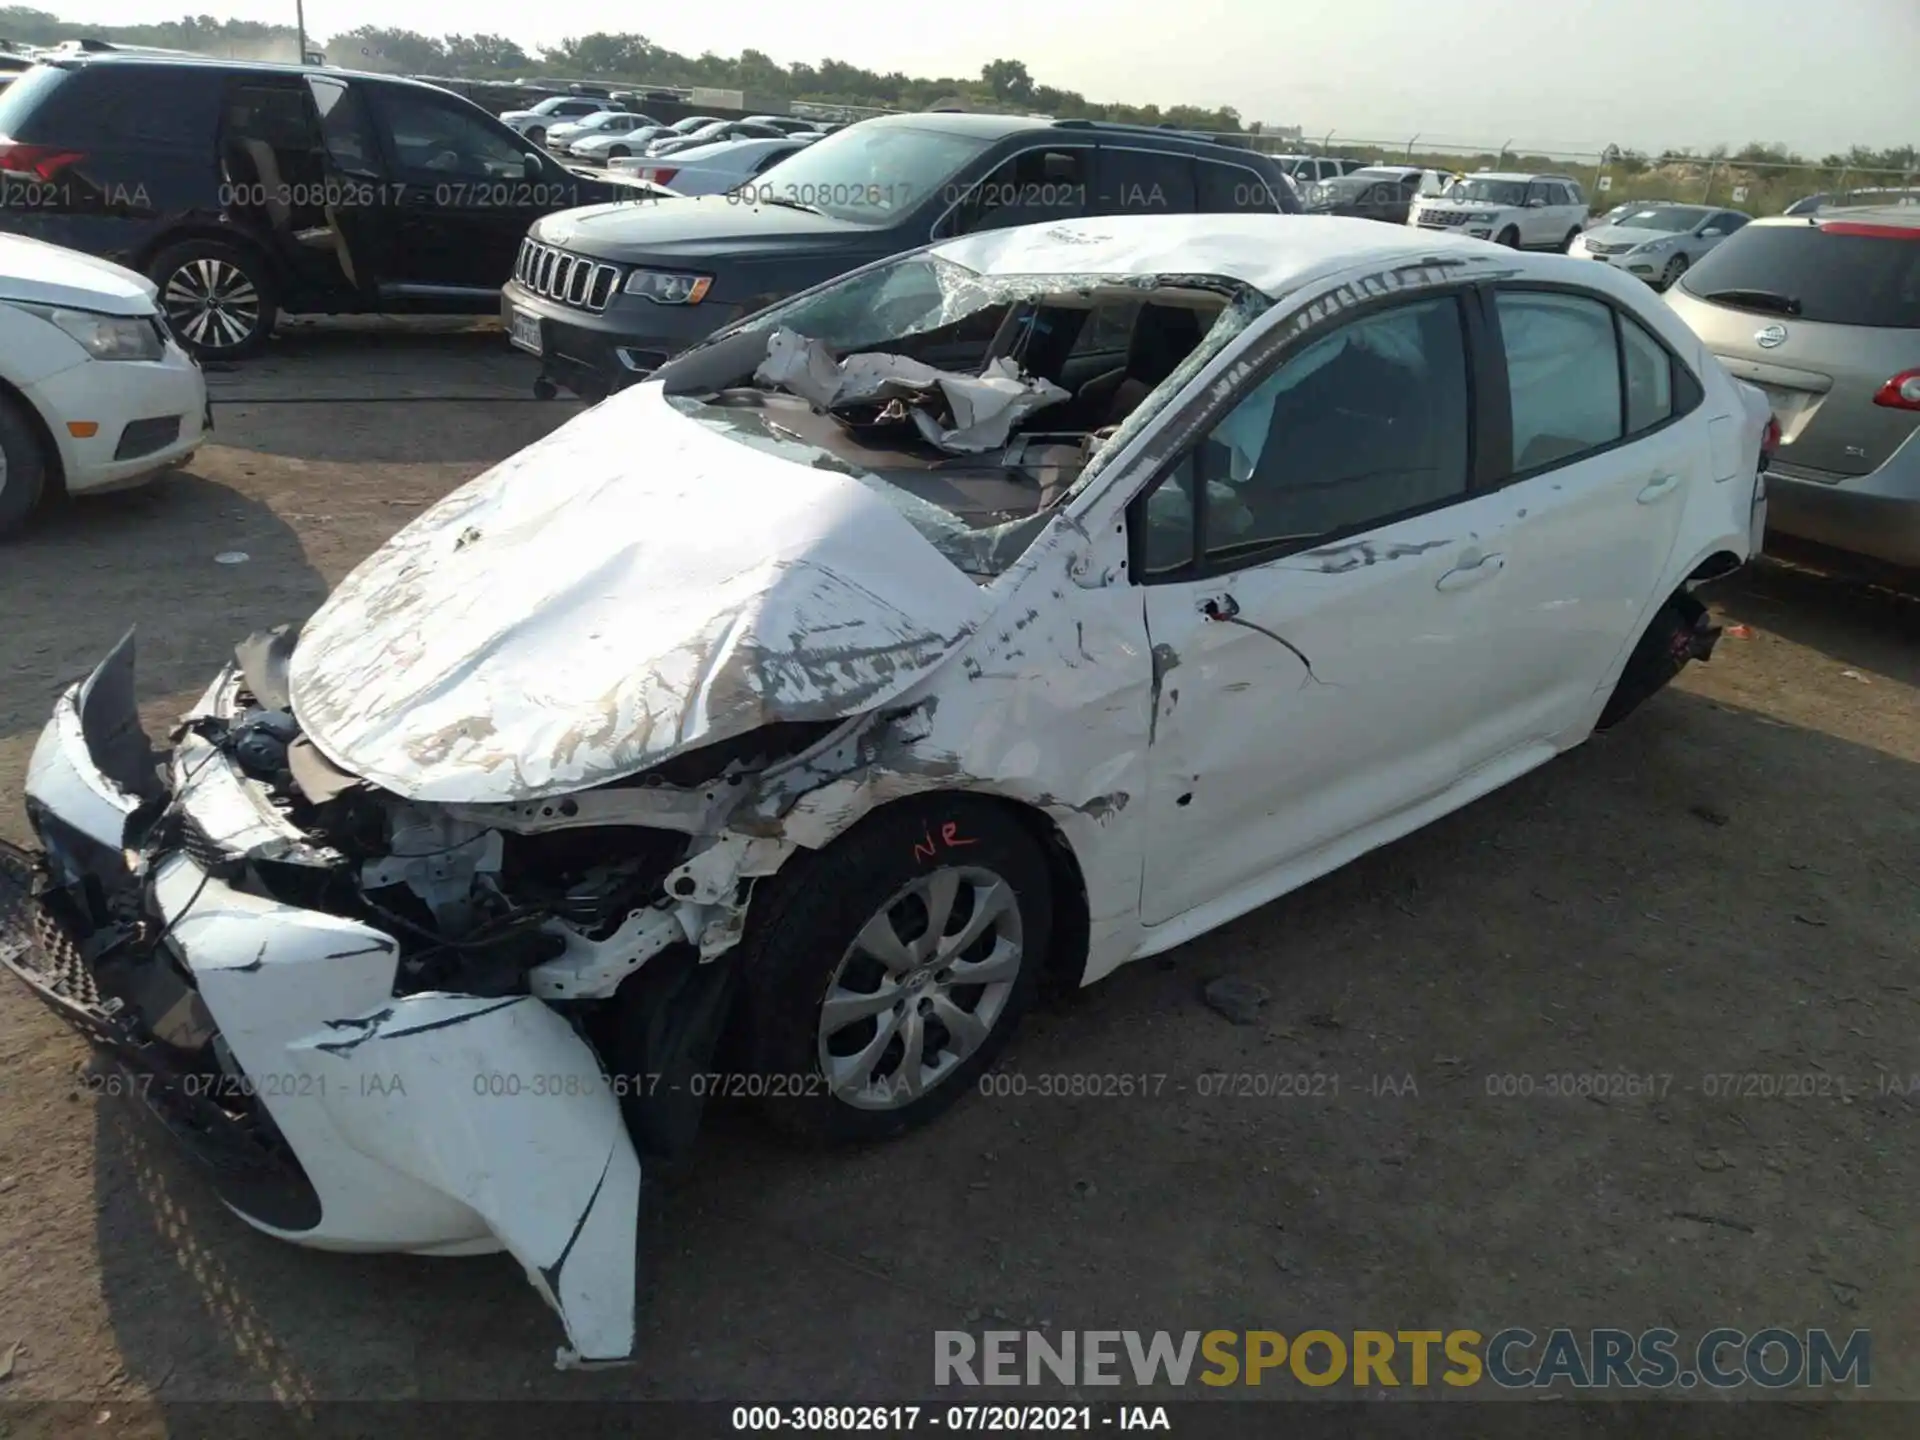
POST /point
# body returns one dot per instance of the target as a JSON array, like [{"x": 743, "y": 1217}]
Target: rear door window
[
  {"x": 1836, "y": 273},
  {"x": 1145, "y": 182}
]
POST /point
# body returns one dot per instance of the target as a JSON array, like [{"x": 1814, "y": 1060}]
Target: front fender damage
[{"x": 417, "y": 1085}]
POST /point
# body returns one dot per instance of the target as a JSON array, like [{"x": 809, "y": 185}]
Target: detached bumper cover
[{"x": 330, "y": 1111}]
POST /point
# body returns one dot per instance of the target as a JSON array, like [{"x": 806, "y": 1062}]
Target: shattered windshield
[{"x": 959, "y": 398}]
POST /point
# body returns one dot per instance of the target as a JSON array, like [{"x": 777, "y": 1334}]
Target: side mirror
[
  {"x": 533, "y": 166},
  {"x": 1711, "y": 234}
]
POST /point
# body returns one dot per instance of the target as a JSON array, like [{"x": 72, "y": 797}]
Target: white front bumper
[
  {"x": 432, "y": 1123},
  {"x": 111, "y": 394}
]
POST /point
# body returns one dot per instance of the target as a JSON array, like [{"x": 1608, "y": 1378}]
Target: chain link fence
[{"x": 1613, "y": 177}]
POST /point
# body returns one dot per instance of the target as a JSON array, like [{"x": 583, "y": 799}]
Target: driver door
[{"x": 464, "y": 189}]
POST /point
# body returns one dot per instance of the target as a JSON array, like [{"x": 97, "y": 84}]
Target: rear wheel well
[
  {"x": 218, "y": 234},
  {"x": 56, "y": 467},
  {"x": 1721, "y": 562}
]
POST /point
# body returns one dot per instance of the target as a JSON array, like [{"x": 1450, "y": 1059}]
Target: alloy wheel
[
  {"x": 920, "y": 988},
  {"x": 212, "y": 303}
]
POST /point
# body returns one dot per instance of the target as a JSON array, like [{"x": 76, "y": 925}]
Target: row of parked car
[{"x": 246, "y": 190}]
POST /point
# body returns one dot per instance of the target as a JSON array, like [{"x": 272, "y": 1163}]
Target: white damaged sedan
[{"x": 999, "y": 613}]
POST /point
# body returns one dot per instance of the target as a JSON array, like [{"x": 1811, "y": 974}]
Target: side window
[
  {"x": 1222, "y": 189},
  {"x": 268, "y": 151},
  {"x": 1365, "y": 424},
  {"x": 1649, "y": 372},
  {"x": 442, "y": 139},
  {"x": 1536, "y": 190},
  {"x": 344, "y": 128},
  {"x": 772, "y": 158},
  {"x": 115, "y": 106},
  {"x": 1563, "y": 375},
  {"x": 1166, "y": 525},
  {"x": 1145, "y": 182},
  {"x": 1031, "y": 187}
]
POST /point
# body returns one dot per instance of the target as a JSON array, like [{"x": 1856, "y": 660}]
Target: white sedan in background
[
  {"x": 605, "y": 122},
  {"x": 714, "y": 169},
  {"x": 902, "y": 679},
  {"x": 97, "y": 395}
]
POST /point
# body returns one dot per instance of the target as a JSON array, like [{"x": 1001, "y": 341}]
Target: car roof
[
  {"x": 1273, "y": 254},
  {"x": 241, "y": 67},
  {"x": 1905, "y": 216},
  {"x": 1518, "y": 175}
]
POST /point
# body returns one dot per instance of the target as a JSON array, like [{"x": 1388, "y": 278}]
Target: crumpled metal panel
[{"x": 631, "y": 587}]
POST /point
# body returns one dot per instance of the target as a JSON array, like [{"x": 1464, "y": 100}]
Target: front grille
[
  {"x": 1593, "y": 249},
  {"x": 143, "y": 437},
  {"x": 569, "y": 279}
]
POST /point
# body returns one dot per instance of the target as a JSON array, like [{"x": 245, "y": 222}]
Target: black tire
[
  {"x": 805, "y": 920},
  {"x": 219, "y": 298},
  {"x": 1509, "y": 237},
  {"x": 537, "y": 134},
  {"x": 618, "y": 152},
  {"x": 24, "y": 463},
  {"x": 1671, "y": 639},
  {"x": 1566, "y": 246},
  {"x": 1676, "y": 267}
]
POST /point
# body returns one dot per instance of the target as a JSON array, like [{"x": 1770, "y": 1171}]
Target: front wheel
[
  {"x": 23, "y": 466},
  {"x": 1676, "y": 267},
  {"x": 537, "y": 134},
  {"x": 1508, "y": 237},
  {"x": 218, "y": 298},
  {"x": 883, "y": 975},
  {"x": 1566, "y": 245},
  {"x": 618, "y": 152}
]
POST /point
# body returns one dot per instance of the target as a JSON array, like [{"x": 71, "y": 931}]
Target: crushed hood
[{"x": 633, "y": 586}]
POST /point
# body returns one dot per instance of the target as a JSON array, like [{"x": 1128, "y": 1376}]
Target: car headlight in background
[
  {"x": 105, "y": 337},
  {"x": 666, "y": 287},
  {"x": 1653, "y": 247}
]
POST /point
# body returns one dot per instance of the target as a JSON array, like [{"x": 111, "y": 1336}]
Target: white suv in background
[{"x": 1526, "y": 212}]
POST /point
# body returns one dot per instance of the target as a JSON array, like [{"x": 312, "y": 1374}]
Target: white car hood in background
[
  {"x": 37, "y": 273},
  {"x": 635, "y": 585}
]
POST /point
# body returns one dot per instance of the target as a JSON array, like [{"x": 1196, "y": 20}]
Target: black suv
[
  {"x": 247, "y": 189},
  {"x": 607, "y": 294}
]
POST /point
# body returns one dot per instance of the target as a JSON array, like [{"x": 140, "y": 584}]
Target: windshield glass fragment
[{"x": 973, "y": 405}]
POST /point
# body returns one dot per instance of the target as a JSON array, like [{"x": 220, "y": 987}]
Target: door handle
[
  {"x": 1656, "y": 489},
  {"x": 1461, "y": 576}
]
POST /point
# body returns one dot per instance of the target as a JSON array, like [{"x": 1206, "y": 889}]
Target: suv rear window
[
  {"x": 1805, "y": 272},
  {"x": 111, "y": 105}
]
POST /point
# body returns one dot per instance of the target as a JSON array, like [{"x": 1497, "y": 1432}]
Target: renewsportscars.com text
[{"x": 1773, "y": 1358}]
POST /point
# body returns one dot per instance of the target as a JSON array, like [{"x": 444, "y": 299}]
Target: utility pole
[{"x": 300, "y": 29}]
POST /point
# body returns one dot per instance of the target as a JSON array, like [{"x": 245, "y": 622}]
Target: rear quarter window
[
  {"x": 1827, "y": 277},
  {"x": 112, "y": 106}
]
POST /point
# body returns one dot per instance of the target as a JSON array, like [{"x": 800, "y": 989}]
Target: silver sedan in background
[{"x": 1658, "y": 242}]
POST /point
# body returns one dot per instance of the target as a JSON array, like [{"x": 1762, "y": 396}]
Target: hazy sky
[{"x": 1574, "y": 74}]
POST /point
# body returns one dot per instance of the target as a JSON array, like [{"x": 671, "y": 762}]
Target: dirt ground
[{"x": 1729, "y": 884}]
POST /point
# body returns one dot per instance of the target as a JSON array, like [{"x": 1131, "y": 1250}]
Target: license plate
[{"x": 524, "y": 330}]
